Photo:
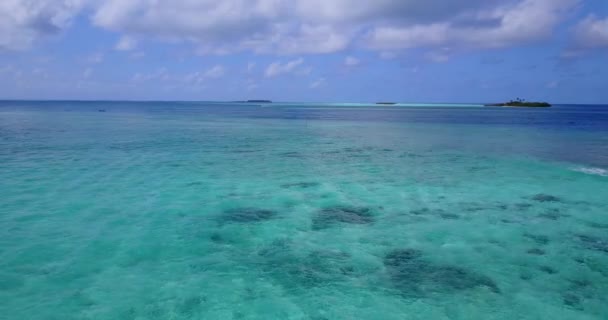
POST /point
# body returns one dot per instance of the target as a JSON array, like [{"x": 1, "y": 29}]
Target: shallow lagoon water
[{"x": 293, "y": 211}]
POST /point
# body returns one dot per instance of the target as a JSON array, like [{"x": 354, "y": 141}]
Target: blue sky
[{"x": 305, "y": 50}]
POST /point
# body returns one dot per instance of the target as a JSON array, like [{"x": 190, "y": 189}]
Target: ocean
[{"x": 207, "y": 210}]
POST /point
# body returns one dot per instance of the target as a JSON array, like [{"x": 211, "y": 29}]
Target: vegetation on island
[
  {"x": 521, "y": 103},
  {"x": 259, "y": 101},
  {"x": 387, "y": 103}
]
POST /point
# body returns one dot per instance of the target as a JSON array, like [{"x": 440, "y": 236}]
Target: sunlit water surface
[{"x": 292, "y": 211}]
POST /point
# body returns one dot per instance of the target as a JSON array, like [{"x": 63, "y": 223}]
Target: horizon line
[{"x": 271, "y": 101}]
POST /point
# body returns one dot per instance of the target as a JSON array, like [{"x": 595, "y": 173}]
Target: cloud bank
[
  {"x": 592, "y": 33},
  {"x": 22, "y": 22},
  {"x": 293, "y": 27}
]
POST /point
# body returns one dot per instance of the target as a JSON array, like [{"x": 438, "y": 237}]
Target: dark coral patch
[
  {"x": 552, "y": 214},
  {"x": 538, "y": 238},
  {"x": 410, "y": 155},
  {"x": 238, "y": 151},
  {"x": 247, "y": 215},
  {"x": 401, "y": 257},
  {"x": 572, "y": 300},
  {"x": 549, "y": 216},
  {"x": 190, "y": 305},
  {"x": 578, "y": 290},
  {"x": 578, "y": 284},
  {"x": 291, "y": 155},
  {"x": 278, "y": 248},
  {"x": 536, "y": 252},
  {"x": 419, "y": 212},
  {"x": 541, "y": 197},
  {"x": 458, "y": 278},
  {"x": 547, "y": 269},
  {"x": 358, "y": 150},
  {"x": 522, "y": 206},
  {"x": 436, "y": 212},
  {"x": 342, "y": 214},
  {"x": 474, "y": 208},
  {"x": 414, "y": 276},
  {"x": 333, "y": 262},
  {"x": 217, "y": 238},
  {"x": 318, "y": 268},
  {"x": 302, "y": 185},
  {"x": 525, "y": 276},
  {"x": 449, "y": 216},
  {"x": 598, "y": 225},
  {"x": 593, "y": 243}
]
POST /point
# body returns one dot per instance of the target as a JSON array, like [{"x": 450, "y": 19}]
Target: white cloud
[
  {"x": 552, "y": 84},
  {"x": 87, "y": 73},
  {"x": 351, "y": 61},
  {"x": 126, "y": 44},
  {"x": 9, "y": 70},
  {"x": 387, "y": 55},
  {"x": 95, "y": 58},
  {"x": 304, "y": 71},
  {"x": 592, "y": 32},
  {"x": 137, "y": 55},
  {"x": 504, "y": 26},
  {"x": 278, "y": 68},
  {"x": 40, "y": 73},
  {"x": 251, "y": 85},
  {"x": 318, "y": 83},
  {"x": 439, "y": 55},
  {"x": 22, "y": 22},
  {"x": 199, "y": 77},
  {"x": 160, "y": 74},
  {"x": 310, "y": 39},
  {"x": 295, "y": 26},
  {"x": 250, "y": 67},
  {"x": 325, "y": 26},
  {"x": 214, "y": 72}
]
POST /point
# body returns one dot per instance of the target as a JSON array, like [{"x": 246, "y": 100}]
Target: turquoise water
[{"x": 220, "y": 211}]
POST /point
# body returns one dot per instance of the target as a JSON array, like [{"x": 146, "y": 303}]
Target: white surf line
[
  {"x": 593, "y": 171},
  {"x": 350, "y": 108}
]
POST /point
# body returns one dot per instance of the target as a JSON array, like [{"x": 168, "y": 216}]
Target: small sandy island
[{"x": 521, "y": 103}]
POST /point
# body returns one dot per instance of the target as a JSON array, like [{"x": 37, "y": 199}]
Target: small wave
[{"x": 594, "y": 171}]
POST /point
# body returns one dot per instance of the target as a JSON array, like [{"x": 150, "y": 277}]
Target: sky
[{"x": 466, "y": 51}]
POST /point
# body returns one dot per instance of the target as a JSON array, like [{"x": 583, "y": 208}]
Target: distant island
[
  {"x": 387, "y": 103},
  {"x": 521, "y": 103},
  {"x": 258, "y": 101}
]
